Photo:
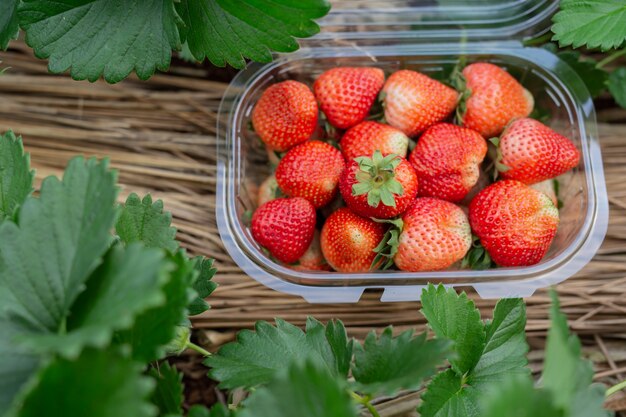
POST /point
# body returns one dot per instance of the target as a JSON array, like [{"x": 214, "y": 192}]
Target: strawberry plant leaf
[
  {"x": 592, "y": 23},
  {"x": 218, "y": 410},
  {"x": 168, "y": 394},
  {"x": 227, "y": 31},
  {"x": 203, "y": 285},
  {"x": 94, "y": 38},
  {"x": 9, "y": 26},
  {"x": 594, "y": 78},
  {"x": 144, "y": 221},
  {"x": 304, "y": 390},
  {"x": 446, "y": 397},
  {"x": 388, "y": 364},
  {"x": 255, "y": 357},
  {"x": 517, "y": 393},
  {"x": 617, "y": 86},
  {"x": 16, "y": 177},
  {"x": 76, "y": 388},
  {"x": 57, "y": 243}
]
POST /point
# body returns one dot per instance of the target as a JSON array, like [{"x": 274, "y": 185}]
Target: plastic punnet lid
[{"x": 371, "y": 22}]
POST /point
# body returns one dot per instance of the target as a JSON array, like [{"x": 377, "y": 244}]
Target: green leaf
[
  {"x": 455, "y": 317},
  {"x": 58, "y": 242},
  {"x": 592, "y": 23},
  {"x": 8, "y": 22},
  {"x": 97, "y": 384},
  {"x": 94, "y": 38},
  {"x": 304, "y": 390},
  {"x": 256, "y": 357},
  {"x": 218, "y": 410},
  {"x": 517, "y": 394},
  {"x": 143, "y": 221},
  {"x": 227, "y": 31},
  {"x": 168, "y": 395},
  {"x": 617, "y": 86},
  {"x": 594, "y": 78},
  {"x": 446, "y": 397},
  {"x": 361, "y": 188},
  {"x": 566, "y": 374},
  {"x": 388, "y": 364},
  {"x": 16, "y": 177},
  {"x": 203, "y": 285},
  {"x": 123, "y": 286}
]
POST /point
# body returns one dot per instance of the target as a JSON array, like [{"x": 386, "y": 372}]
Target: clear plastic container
[{"x": 427, "y": 37}]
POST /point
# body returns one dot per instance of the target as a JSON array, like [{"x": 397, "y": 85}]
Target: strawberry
[
  {"x": 515, "y": 223},
  {"x": 285, "y": 227},
  {"x": 367, "y": 137},
  {"x": 531, "y": 152},
  {"x": 268, "y": 191},
  {"x": 380, "y": 187},
  {"x": 346, "y": 94},
  {"x": 414, "y": 101},
  {"x": 348, "y": 241},
  {"x": 447, "y": 159},
  {"x": 313, "y": 259},
  {"x": 495, "y": 98},
  {"x": 311, "y": 170},
  {"x": 549, "y": 188},
  {"x": 285, "y": 115}
]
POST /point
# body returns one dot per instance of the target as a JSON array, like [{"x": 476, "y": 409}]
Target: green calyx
[
  {"x": 477, "y": 257},
  {"x": 388, "y": 246},
  {"x": 458, "y": 81},
  {"x": 376, "y": 178},
  {"x": 497, "y": 158}
]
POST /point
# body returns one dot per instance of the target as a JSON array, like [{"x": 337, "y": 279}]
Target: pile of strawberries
[{"x": 404, "y": 189}]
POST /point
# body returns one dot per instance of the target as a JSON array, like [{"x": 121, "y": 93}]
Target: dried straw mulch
[{"x": 161, "y": 137}]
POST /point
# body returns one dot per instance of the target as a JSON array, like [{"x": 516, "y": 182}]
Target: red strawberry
[
  {"x": 495, "y": 99},
  {"x": 515, "y": 223},
  {"x": 346, "y": 94},
  {"x": 414, "y": 101},
  {"x": 313, "y": 259},
  {"x": 348, "y": 241},
  {"x": 434, "y": 234},
  {"x": 380, "y": 187},
  {"x": 367, "y": 137},
  {"x": 268, "y": 190},
  {"x": 446, "y": 160},
  {"x": 311, "y": 171},
  {"x": 531, "y": 152},
  {"x": 285, "y": 115},
  {"x": 285, "y": 227}
]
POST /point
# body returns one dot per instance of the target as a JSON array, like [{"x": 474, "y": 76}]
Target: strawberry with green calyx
[
  {"x": 348, "y": 241},
  {"x": 285, "y": 115},
  {"x": 447, "y": 161},
  {"x": 515, "y": 223},
  {"x": 312, "y": 171},
  {"x": 413, "y": 101},
  {"x": 432, "y": 235},
  {"x": 530, "y": 152},
  {"x": 379, "y": 187},
  {"x": 285, "y": 227},
  {"x": 367, "y": 137},
  {"x": 346, "y": 94}
]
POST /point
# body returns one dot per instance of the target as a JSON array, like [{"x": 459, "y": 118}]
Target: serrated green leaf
[
  {"x": 455, "y": 317},
  {"x": 388, "y": 364},
  {"x": 256, "y": 357},
  {"x": 203, "y": 285},
  {"x": 304, "y": 390},
  {"x": 227, "y": 31},
  {"x": 144, "y": 221},
  {"x": 516, "y": 394},
  {"x": 118, "y": 291},
  {"x": 8, "y": 22},
  {"x": 617, "y": 86},
  {"x": 58, "y": 242},
  {"x": 593, "y": 23},
  {"x": 168, "y": 394},
  {"x": 594, "y": 78},
  {"x": 76, "y": 388},
  {"x": 16, "y": 177},
  {"x": 446, "y": 397},
  {"x": 94, "y": 38}
]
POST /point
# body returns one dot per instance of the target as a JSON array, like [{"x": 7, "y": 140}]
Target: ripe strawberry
[
  {"x": 549, "y": 188},
  {"x": 495, "y": 98},
  {"x": 311, "y": 170},
  {"x": 348, "y": 241},
  {"x": 531, "y": 152},
  {"x": 346, "y": 94},
  {"x": 367, "y": 137},
  {"x": 434, "y": 234},
  {"x": 414, "y": 101},
  {"x": 285, "y": 227},
  {"x": 313, "y": 259},
  {"x": 285, "y": 115},
  {"x": 447, "y": 160},
  {"x": 368, "y": 182},
  {"x": 515, "y": 223},
  {"x": 268, "y": 191}
]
